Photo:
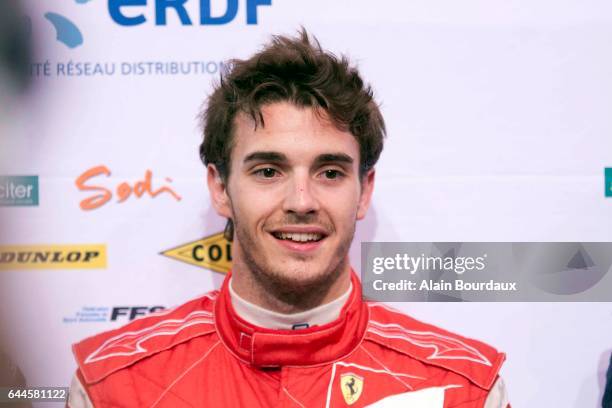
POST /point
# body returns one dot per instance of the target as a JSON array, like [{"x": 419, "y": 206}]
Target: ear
[
  {"x": 367, "y": 188},
  {"x": 218, "y": 192}
]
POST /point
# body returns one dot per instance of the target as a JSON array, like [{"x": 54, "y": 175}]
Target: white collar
[{"x": 261, "y": 317}]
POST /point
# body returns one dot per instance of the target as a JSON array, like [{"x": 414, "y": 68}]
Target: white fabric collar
[{"x": 261, "y": 317}]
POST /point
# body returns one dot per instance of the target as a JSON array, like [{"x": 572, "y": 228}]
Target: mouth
[
  {"x": 301, "y": 240},
  {"x": 298, "y": 237}
]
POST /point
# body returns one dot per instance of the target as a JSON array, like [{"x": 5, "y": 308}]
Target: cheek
[
  {"x": 342, "y": 206},
  {"x": 252, "y": 204}
]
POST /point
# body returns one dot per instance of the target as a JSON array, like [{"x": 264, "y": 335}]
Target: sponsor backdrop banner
[{"x": 498, "y": 118}]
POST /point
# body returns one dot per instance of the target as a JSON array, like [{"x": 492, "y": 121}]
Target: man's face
[{"x": 294, "y": 194}]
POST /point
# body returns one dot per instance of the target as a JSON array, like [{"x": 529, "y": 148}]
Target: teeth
[{"x": 299, "y": 237}]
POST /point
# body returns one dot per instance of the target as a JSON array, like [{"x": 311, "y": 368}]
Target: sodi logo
[{"x": 101, "y": 195}]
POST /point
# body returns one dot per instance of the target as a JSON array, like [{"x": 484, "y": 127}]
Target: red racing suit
[{"x": 202, "y": 354}]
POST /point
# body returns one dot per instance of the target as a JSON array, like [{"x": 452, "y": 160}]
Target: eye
[
  {"x": 267, "y": 172},
  {"x": 332, "y": 174}
]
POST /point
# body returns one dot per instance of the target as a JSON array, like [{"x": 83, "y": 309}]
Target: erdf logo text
[{"x": 129, "y": 12}]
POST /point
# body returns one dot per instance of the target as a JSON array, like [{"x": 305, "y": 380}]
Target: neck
[{"x": 286, "y": 299}]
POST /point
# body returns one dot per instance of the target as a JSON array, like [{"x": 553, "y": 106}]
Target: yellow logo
[
  {"x": 351, "y": 385},
  {"x": 213, "y": 252},
  {"x": 92, "y": 256}
]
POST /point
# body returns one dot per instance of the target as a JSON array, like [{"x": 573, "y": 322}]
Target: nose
[{"x": 300, "y": 197}]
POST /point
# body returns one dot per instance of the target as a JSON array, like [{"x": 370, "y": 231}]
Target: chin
[
  {"x": 303, "y": 276},
  {"x": 298, "y": 277}
]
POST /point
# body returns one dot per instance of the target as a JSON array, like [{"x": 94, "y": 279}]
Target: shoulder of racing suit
[
  {"x": 476, "y": 361},
  {"x": 106, "y": 353}
]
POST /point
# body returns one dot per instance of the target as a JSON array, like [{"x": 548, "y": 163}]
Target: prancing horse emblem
[{"x": 351, "y": 385}]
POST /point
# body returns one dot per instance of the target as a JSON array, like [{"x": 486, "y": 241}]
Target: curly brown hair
[{"x": 297, "y": 70}]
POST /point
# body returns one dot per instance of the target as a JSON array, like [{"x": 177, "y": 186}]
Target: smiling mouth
[{"x": 299, "y": 237}]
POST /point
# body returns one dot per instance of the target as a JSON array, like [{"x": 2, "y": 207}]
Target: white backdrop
[{"x": 499, "y": 125}]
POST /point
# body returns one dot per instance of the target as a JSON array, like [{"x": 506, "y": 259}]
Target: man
[{"x": 291, "y": 137}]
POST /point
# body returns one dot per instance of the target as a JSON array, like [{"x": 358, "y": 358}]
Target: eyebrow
[
  {"x": 272, "y": 157},
  {"x": 339, "y": 158},
  {"x": 276, "y": 157}
]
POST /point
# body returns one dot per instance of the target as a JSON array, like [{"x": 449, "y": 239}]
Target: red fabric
[{"x": 202, "y": 354}]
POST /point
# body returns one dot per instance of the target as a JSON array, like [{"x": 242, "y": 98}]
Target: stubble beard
[{"x": 287, "y": 289}]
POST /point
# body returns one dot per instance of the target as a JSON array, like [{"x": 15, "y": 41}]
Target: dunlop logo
[{"x": 90, "y": 256}]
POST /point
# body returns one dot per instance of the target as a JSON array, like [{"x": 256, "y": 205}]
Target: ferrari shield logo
[{"x": 351, "y": 386}]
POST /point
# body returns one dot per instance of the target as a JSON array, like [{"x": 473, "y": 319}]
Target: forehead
[{"x": 298, "y": 132}]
